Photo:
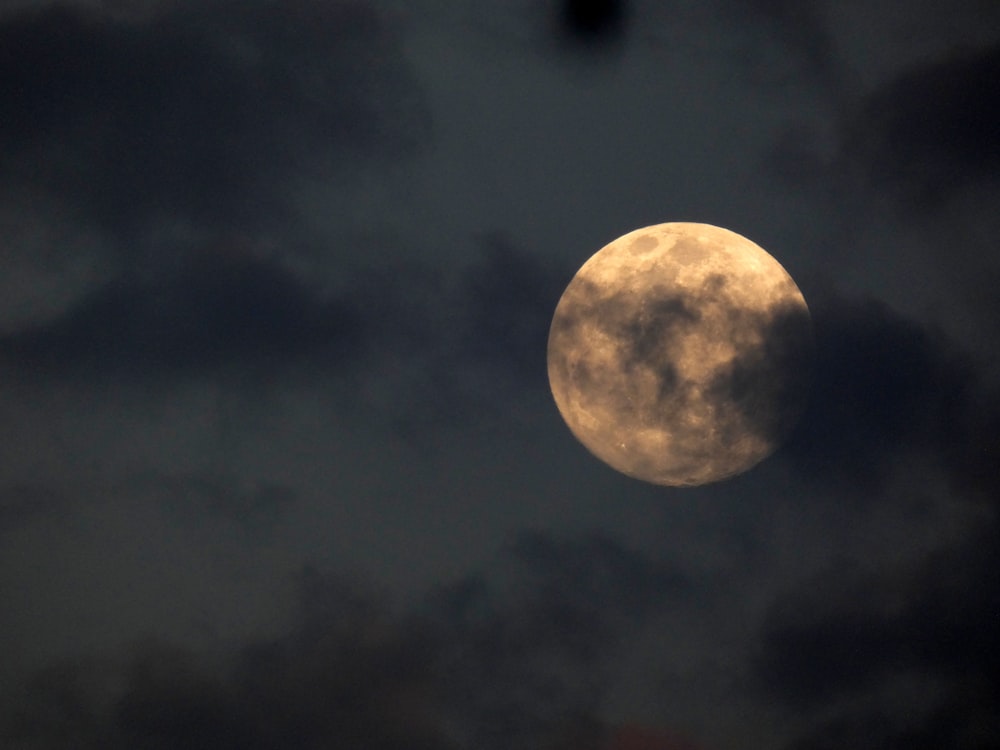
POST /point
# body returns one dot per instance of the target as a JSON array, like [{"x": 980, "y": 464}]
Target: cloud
[
  {"x": 506, "y": 659},
  {"x": 223, "y": 305},
  {"x": 931, "y": 130},
  {"x": 217, "y": 307},
  {"x": 768, "y": 381},
  {"x": 347, "y": 675},
  {"x": 854, "y": 640},
  {"x": 205, "y": 117},
  {"x": 530, "y": 646},
  {"x": 135, "y": 135},
  {"x": 506, "y": 300},
  {"x": 257, "y": 506},
  {"x": 887, "y": 387},
  {"x": 900, "y": 654}
]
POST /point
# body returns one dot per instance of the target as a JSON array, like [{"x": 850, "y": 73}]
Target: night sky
[{"x": 279, "y": 462}]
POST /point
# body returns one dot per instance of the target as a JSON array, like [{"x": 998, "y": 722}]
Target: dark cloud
[
  {"x": 257, "y": 506},
  {"x": 961, "y": 725},
  {"x": 528, "y": 648},
  {"x": 820, "y": 643},
  {"x": 769, "y": 382},
  {"x": 435, "y": 347},
  {"x": 885, "y": 387},
  {"x": 514, "y": 659},
  {"x": 506, "y": 300},
  {"x": 933, "y": 129},
  {"x": 934, "y": 623},
  {"x": 216, "y": 308},
  {"x": 891, "y": 398},
  {"x": 349, "y": 675},
  {"x": 465, "y": 346},
  {"x": 206, "y": 117}
]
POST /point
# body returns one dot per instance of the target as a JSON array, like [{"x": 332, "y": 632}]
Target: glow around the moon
[{"x": 680, "y": 354}]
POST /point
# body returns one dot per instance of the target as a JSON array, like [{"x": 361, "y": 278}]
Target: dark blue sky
[{"x": 279, "y": 464}]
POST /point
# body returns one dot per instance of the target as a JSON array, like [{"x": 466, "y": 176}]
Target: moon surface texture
[{"x": 681, "y": 354}]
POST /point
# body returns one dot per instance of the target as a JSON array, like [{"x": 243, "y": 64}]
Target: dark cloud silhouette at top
[{"x": 205, "y": 116}]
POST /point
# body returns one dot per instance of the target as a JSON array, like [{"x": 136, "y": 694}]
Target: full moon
[{"x": 680, "y": 354}]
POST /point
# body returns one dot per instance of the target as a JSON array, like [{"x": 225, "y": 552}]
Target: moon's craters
[
  {"x": 680, "y": 353},
  {"x": 643, "y": 244},
  {"x": 689, "y": 251}
]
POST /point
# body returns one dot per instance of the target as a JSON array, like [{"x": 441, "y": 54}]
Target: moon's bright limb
[{"x": 680, "y": 354}]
